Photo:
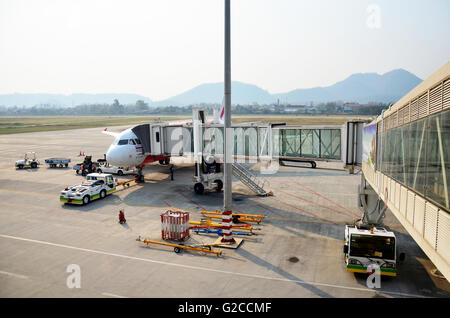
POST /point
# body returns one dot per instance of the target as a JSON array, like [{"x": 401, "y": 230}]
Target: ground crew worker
[
  {"x": 171, "y": 172},
  {"x": 122, "y": 217}
]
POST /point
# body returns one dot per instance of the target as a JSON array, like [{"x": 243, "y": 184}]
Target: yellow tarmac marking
[{"x": 203, "y": 269}]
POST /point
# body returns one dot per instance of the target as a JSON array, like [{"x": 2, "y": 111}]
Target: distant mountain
[
  {"x": 213, "y": 93},
  {"x": 361, "y": 88},
  {"x": 68, "y": 100}
]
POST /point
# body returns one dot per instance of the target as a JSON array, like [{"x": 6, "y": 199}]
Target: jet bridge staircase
[{"x": 256, "y": 184}]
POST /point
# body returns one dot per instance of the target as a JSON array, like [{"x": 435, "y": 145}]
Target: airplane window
[
  {"x": 123, "y": 142},
  {"x": 132, "y": 142}
]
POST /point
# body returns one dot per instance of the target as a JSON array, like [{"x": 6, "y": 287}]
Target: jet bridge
[{"x": 255, "y": 141}]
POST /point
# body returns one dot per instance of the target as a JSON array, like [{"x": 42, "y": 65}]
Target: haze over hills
[
  {"x": 362, "y": 88},
  {"x": 241, "y": 93}
]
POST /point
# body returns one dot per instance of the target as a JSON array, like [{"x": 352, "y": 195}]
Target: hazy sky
[{"x": 161, "y": 48}]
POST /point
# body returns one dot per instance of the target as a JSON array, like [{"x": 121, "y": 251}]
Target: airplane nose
[{"x": 113, "y": 156}]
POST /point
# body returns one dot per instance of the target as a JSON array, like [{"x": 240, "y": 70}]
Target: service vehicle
[
  {"x": 57, "y": 162},
  {"x": 29, "y": 161},
  {"x": 365, "y": 245},
  {"x": 96, "y": 186},
  {"x": 87, "y": 165},
  {"x": 208, "y": 175},
  {"x": 107, "y": 168}
]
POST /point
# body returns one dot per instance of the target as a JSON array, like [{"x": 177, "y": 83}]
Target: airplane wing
[
  {"x": 106, "y": 132},
  {"x": 179, "y": 122}
]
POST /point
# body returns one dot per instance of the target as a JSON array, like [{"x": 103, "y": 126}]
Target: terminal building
[{"x": 406, "y": 160}]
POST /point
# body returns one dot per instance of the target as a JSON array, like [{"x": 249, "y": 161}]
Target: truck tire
[
  {"x": 120, "y": 172},
  {"x": 66, "y": 165},
  {"x": 77, "y": 171},
  {"x": 167, "y": 160},
  {"x": 102, "y": 194},
  {"x": 86, "y": 199},
  {"x": 161, "y": 162},
  {"x": 176, "y": 249},
  {"x": 20, "y": 166},
  {"x": 199, "y": 188},
  {"x": 219, "y": 185},
  {"x": 33, "y": 165}
]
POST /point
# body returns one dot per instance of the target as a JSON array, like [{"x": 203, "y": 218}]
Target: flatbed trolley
[
  {"x": 237, "y": 217},
  {"x": 177, "y": 248}
]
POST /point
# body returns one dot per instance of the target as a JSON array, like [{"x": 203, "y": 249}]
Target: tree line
[{"x": 142, "y": 108}]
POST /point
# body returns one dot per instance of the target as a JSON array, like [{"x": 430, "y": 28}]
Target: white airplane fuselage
[{"x": 126, "y": 150}]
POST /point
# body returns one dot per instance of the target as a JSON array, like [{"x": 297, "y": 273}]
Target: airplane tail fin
[
  {"x": 110, "y": 133},
  {"x": 221, "y": 114}
]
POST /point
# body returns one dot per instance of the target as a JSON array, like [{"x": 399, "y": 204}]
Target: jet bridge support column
[{"x": 372, "y": 207}]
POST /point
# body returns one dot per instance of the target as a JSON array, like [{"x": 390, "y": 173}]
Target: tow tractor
[
  {"x": 29, "y": 161},
  {"x": 368, "y": 242},
  {"x": 96, "y": 186}
]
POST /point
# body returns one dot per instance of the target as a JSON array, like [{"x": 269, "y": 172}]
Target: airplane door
[{"x": 157, "y": 140}]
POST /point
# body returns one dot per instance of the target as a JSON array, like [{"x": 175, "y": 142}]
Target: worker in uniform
[
  {"x": 122, "y": 219},
  {"x": 171, "y": 172}
]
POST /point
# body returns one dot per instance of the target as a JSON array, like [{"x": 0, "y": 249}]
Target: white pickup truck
[
  {"x": 96, "y": 186},
  {"x": 115, "y": 170}
]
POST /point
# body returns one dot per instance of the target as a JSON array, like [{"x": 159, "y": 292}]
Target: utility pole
[{"x": 227, "y": 197}]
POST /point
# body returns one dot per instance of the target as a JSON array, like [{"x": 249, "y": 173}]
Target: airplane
[{"x": 127, "y": 150}]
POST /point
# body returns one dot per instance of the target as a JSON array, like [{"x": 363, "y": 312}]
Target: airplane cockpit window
[
  {"x": 132, "y": 142},
  {"x": 138, "y": 142},
  {"x": 123, "y": 142},
  {"x": 116, "y": 141}
]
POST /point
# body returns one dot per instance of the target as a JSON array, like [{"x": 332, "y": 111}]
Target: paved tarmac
[{"x": 297, "y": 252}]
